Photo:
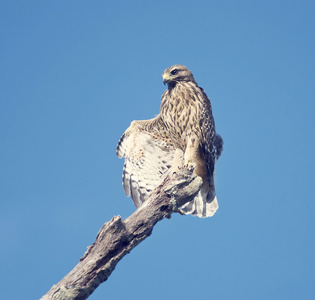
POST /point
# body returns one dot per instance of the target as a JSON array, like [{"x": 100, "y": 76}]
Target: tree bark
[{"x": 118, "y": 237}]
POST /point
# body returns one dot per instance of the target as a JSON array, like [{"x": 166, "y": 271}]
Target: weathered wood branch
[{"x": 118, "y": 237}]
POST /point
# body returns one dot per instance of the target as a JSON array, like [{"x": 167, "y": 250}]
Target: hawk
[{"x": 182, "y": 135}]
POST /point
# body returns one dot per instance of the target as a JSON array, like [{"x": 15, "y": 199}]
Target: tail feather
[{"x": 200, "y": 207}]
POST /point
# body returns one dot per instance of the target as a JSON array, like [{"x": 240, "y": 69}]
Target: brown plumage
[{"x": 182, "y": 134}]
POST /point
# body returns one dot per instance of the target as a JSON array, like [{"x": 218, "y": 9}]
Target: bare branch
[{"x": 118, "y": 237}]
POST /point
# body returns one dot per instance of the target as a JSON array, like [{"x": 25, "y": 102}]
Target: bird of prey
[{"x": 182, "y": 135}]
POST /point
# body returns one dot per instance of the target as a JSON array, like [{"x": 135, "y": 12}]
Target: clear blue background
[{"x": 74, "y": 74}]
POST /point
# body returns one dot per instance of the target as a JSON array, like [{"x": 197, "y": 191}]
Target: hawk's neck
[{"x": 181, "y": 85}]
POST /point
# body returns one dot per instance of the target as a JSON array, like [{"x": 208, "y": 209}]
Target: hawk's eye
[{"x": 174, "y": 72}]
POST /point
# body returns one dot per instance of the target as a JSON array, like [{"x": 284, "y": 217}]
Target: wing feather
[
  {"x": 208, "y": 134},
  {"x": 147, "y": 160}
]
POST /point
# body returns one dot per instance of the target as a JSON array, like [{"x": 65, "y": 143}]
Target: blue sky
[{"x": 74, "y": 74}]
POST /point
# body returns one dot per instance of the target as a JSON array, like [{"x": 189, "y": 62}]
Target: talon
[
  {"x": 189, "y": 166},
  {"x": 178, "y": 210}
]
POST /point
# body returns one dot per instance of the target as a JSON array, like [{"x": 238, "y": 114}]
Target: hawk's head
[{"x": 177, "y": 73}]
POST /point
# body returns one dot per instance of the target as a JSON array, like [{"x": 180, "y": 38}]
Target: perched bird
[{"x": 182, "y": 135}]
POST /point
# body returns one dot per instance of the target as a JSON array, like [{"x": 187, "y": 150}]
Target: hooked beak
[{"x": 166, "y": 78}]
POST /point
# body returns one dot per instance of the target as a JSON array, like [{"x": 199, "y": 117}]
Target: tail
[{"x": 204, "y": 205}]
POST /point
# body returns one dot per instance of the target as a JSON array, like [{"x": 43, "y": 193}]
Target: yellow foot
[{"x": 178, "y": 210}]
